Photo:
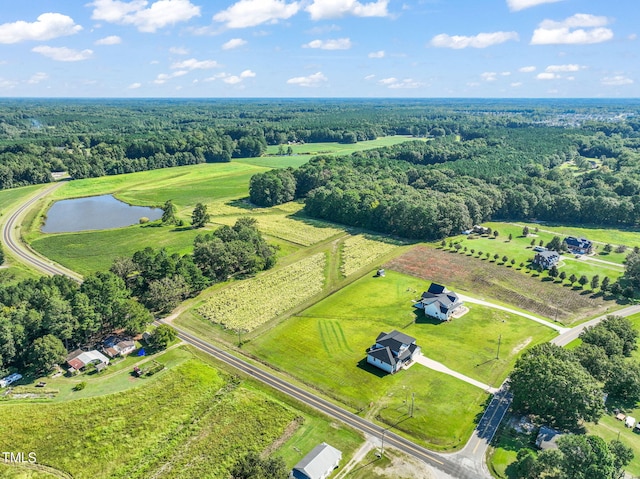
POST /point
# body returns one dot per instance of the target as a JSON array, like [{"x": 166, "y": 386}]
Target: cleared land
[{"x": 486, "y": 280}]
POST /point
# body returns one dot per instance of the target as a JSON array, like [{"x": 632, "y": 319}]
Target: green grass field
[{"x": 334, "y": 148}]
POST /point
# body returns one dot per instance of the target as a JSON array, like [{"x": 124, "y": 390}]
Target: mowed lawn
[{"x": 325, "y": 346}]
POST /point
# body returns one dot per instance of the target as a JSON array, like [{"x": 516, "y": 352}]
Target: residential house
[
  {"x": 392, "y": 351},
  {"x": 79, "y": 359},
  {"x": 438, "y": 302},
  {"x": 318, "y": 464},
  {"x": 578, "y": 245},
  {"x": 481, "y": 230},
  {"x": 547, "y": 438},
  {"x": 546, "y": 259},
  {"x": 119, "y": 348}
]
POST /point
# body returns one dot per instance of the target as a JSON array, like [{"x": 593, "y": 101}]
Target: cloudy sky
[{"x": 320, "y": 48}]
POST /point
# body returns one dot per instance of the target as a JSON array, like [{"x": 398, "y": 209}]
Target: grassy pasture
[
  {"x": 495, "y": 282},
  {"x": 335, "y": 148}
]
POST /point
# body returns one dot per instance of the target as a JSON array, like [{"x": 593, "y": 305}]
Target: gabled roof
[
  {"x": 444, "y": 300},
  {"x": 318, "y": 462},
  {"x": 383, "y": 355},
  {"x": 436, "y": 288},
  {"x": 577, "y": 242},
  {"x": 397, "y": 336},
  {"x": 548, "y": 254}
]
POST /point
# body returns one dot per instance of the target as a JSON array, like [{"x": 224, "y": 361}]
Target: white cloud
[
  {"x": 110, "y": 40},
  {"x": 178, "y": 51},
  {"x": 527, "y": 69},
  {"x": 46, "y": 27},
  {"x": 232, "y": 80},
  {"x": 234, "y": 43},
  {"x": 482, "y": 40},
  {"x": 547, "y": 76},
  {"x": 388, "y": 81},
  {"x": 579, "y": 29},
  {"x": 505, "y": 74},
  {"x": 63, "y": 54},
  {"x": 7, "y": 84},
  {"x": 515, "y": 5},
  {"x": 617, "y": 80},
  {"x": 516, "y": 84},
  {"x": 488, "y": 76},
  {"x": 369, "y": 77},
  {"x": 134, "y": 86},
  {"x": 193, "y": 64},
  {"x": 321, "y": 30},
  {"x": 164, "y": 77},
  {"x": 313, "y": 80},
  {"x": 37, "y": 78},
  {"x": 323, "y": 9},
  {"x": 247, "y": 74},
  {"x": 378, "y": 54},
  {"x": 395, "y": 83},
  {"x": 632, "y": 37},
  {"x": 147, "y": 19},
  {"x": 249, "y": 13},
  {"x": 564, "y": 68},
  {"x": 334, "y": 44}
]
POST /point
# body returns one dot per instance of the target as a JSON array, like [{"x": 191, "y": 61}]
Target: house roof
[
  {"x": 547, "y": 438},
  {"x": 78, "y": 361},
  {"x": 577, "y": 242},
  {"x": 397, "y": 336},
  {"x": 548, "y": 254},
  {"x": 445, "y": 300},
  {"x": 321, "y": 459},
  {"x": 383, "y": 355},
  {"x": 435, "y": 288}
]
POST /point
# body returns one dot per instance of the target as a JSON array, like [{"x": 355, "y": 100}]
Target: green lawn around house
[{"x": 609, "y": 428}]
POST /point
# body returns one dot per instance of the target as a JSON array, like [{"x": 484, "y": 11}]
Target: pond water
[{"x": 94, "y": 213}]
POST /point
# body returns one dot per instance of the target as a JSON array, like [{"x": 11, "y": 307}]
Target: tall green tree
[
  {"x": 163, "y": 336},
  {"x": 169, "y": 211},
  {"x": 200, "y": 216},
  {"x": 46, "y": 352},
  {"x": 252, "y": 466}
]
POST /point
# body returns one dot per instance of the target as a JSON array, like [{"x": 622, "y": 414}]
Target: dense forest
[{"x": 90, "y": 138}]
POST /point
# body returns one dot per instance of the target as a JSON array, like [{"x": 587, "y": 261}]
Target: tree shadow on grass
[{"x": 243, "y": 203}]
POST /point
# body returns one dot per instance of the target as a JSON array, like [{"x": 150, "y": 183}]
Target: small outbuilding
[
  {"x": 318, "y": 464},
  {"x": 630, "y": 421}
]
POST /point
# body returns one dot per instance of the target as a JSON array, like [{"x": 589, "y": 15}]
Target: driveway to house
[
  {"x": 544, "y": 322},
  {"x": 595, "y": 260},
  {"x": 436, "y": 366}
]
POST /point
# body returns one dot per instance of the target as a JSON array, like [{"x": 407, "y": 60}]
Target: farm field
[
  {"x": 188, "y": 421},
  {"x": 487, "y": 280},
  {"x": 335, "y": 148},
  {"x": 247, "y": 304},
  {"x": 520, "y": 249},
  {"x": 360, "y": 251}
]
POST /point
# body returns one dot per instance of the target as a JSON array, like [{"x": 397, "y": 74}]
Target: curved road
[
  {"x": 9, "y": 237},
  {"x": 448, "y": 465}
]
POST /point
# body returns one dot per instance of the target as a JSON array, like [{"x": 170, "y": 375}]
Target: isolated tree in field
[
  {"x": 513, "y": 262},
  {"x": 289, "y": 151},
  {"x": 443, "y": 243},
  {"x": 541, "y": 243},
  {"x": 199, "y": 217},
  {"x": 496, "y": 256},
  {"x": 595, "y": 281},
  {"x": 46, "y": 352},
  {"x": 450, "y": 244},
  {"x": 604, "y": 287},
  {"x": 465, "y": 249},
  {"x": 583, "y": 280},
  {"x": 533, "y": 242},
  {"x": 521, "y": 265},
  {"x": 457, "y": 246},
  {"x": 472, "y": 251},
  {"x": 553, "y": 272},
  {"x": 607, "y": 248},
  {"x": 496, "y": 234},
  {"x": 562, "y": 275},
  {"x": 510, "y": 236},
  {"x": 572, "y": 279},
  {"x": 489, "y": 231},
  {"x": 525, "y": 231},
  {"x": 169, "y": 211},
  {"x": 487, "y": 254},
  {"x": 505, "y": 259},
  {"x": 162, "y": 336}
]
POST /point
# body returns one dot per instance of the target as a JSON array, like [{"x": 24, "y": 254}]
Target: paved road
[
  {"x": 10, "y": 238},
  {"x": 568, "y": 336},
  {"x": 449, "y": 465}
]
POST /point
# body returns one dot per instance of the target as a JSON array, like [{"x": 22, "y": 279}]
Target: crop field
[
  {"x": 520, "y": 249},
  {"x": 247, "y": 304},
  {"x": 486, "y": 280},
  {"x": 360, "y": 251},
  {"x": 298, "y": 230}
]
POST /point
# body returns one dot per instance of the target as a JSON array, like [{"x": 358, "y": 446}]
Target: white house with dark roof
[
  {"x": 438, "y": 302},
  {"x": 318, "y": 464},
  {"x": 392, "y": 351}
]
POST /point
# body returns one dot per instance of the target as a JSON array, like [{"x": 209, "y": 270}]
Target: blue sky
[{"x": 320, "y": 48}]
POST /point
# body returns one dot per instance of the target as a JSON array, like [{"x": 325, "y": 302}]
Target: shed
[
  {"x": 318, "y": 464},
  {"x": 630, "y": 421}
]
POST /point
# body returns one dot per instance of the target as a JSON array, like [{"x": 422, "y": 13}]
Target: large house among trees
[
  {"x": 438, "y": 302},
  {"x": 546, "y": 259},
  {"x": 578, "y": 245},
  {"x": 392, "y": 351}
]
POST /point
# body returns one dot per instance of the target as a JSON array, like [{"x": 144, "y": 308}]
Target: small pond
[{"x": 94, "y": 213}]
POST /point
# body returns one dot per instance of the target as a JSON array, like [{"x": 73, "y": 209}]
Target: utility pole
[
  {"x": 413, "y": 397},
  {"x": 499, "y": 341}
]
